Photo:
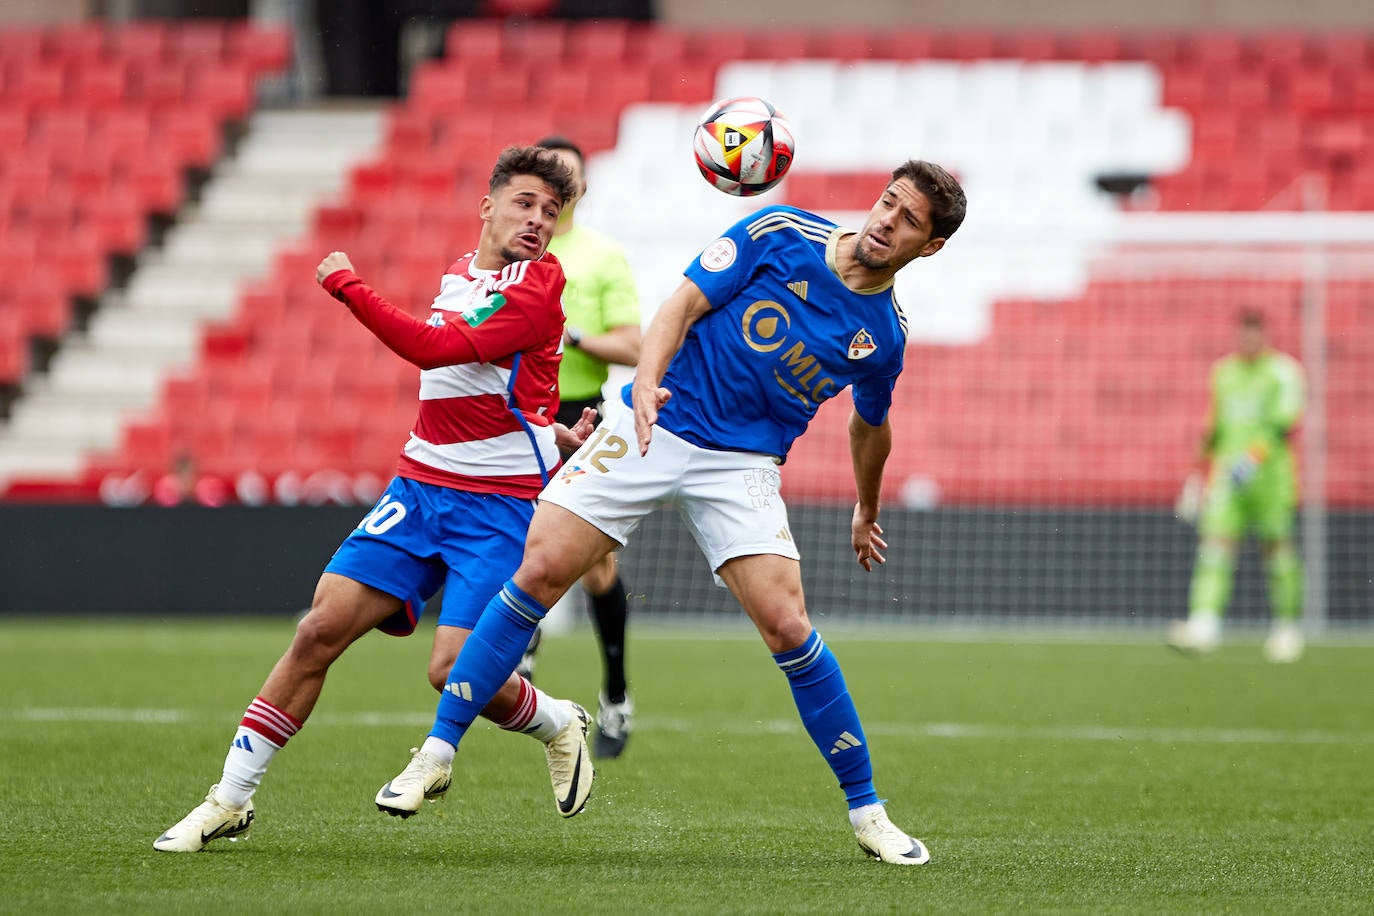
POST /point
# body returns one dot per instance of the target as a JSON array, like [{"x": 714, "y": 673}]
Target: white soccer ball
[{"x": 743, "y": 146}]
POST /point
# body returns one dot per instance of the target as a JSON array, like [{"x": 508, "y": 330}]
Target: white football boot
[
  {"x": 1199, "y": 634},
  {"x": 207, "y": 821},
  {"x": 570, "y": 764},
  {"x": 1285, "y": 643},
  {"x": 882, "y": 839},
  {"x": 613, "y": 724},
  {"x": 423, "y": 778}
]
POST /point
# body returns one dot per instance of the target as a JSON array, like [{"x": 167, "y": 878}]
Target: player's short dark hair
[
  {"x": 558, "y": 141},
  {"x": 946, "y": 196},
  {"x": 537, "y": 161},
  {"x": 1250, "y": 318}
]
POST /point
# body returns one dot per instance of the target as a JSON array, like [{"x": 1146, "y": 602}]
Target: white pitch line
[
  {"x": 99, "y": 714},
  {"x": 946, "y": 730}
]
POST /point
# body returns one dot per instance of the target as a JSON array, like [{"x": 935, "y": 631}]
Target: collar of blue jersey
[{"x": 832, "y": 247}]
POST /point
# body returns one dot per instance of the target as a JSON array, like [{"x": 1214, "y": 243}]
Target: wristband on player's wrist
[{"x": 575, "y": 337}]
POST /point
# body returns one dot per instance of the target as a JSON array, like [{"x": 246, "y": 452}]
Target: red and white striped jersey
[{"x": 489, "y": 357}]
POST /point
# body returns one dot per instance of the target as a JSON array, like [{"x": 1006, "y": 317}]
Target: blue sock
[
  {"x": 486, "y": 660},
  {"x": 829, "y": 715}
]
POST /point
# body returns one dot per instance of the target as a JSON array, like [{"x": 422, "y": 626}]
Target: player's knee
[
  {"x": 545, "y": 576},
  {"x": 320, "y": 638},
  {"x": 784, "y": 632},
  {"x": 439, "y": 669}
]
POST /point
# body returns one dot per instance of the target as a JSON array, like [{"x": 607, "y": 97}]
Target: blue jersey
[{"x": 783, "y": 335}]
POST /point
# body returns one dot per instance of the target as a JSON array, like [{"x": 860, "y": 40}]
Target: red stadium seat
[
  {"x": 601, "y": 40},
  {"x": 1093, "y": 46},
  {"x": 97, "y": 85},
  {"x": 844, "y": 44},
  {"x": 671, "y": 82},
  {"x": 543, "y": 41},
  {"x": 1214, "y": 48},
  {"x": 44, "y": 304},
  {"x": 21, "y": 45},
  {"x": 1283, "y": 49},
  {"x": 908, "y": 44},
  {"x": 185, "y": 396},
  {"x": 711, "y": 47},
  {"x": 159, "y": 84},
  {"x": 475, "y": 40},
  {"x": 39, "y": 87},
  {"x": 157, "y": 181},
  {"x": 126, "y": 132},
  {"x": 966, "y": 44},
  {"x": 191, "y": 135},
  {"x": 776, "y": 44},
  {"x": 199, "y": 40},
  {"x": 224, "y": 89},
  {"x": 623, "y": 85},
  {"x": 663, "y": 43},
  {"x": 1029, "y": 45},
  {"x": 79, "y": 43},
  {"x": 14, "y": 356},
  {"x": 437, "y": 86},
  {"x": 261, "y": 47},
  {"x": 117, "y": 219},
  {"x": 143, "y": 43},
  {"x": 146, "y": 445}
]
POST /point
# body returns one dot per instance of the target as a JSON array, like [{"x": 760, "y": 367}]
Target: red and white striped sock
[
  {"x": 265, "y": 729},
  {"x": 536, "y": 713}
]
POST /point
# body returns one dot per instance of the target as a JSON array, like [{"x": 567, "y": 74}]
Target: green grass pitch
[{"x": 1046, "y": 776}]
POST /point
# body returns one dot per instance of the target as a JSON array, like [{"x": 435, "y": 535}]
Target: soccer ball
[{"x": 743, "y": 146}]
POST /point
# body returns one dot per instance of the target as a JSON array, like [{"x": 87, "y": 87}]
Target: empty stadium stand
[
  {"x": 100, "y": 127},
  {"x": 1050, "y": 383}
]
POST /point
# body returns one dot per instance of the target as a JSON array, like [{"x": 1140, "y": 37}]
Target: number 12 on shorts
[{"x": 600, "y": 448}]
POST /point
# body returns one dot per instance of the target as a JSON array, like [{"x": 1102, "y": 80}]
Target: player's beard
[
  {"x": 868, "y": 260},
  {"x": 510, "y": 257}
]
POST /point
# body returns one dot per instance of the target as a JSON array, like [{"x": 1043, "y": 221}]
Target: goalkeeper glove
[{"x": 1189, "y": 502}]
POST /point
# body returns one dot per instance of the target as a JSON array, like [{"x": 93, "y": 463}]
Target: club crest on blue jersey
[
  {"x": 863, "y": 345},
  {"x": 719, "y": 255}
]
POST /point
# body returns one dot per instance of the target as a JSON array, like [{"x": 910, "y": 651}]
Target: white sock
[
  {"x": 536, "y": 714},
  {"x": 244, "y": 767},
  {"x": 856, "y": 815},
  {"x": 439, "y": 749},
  {"x": 550, "y": 717}
]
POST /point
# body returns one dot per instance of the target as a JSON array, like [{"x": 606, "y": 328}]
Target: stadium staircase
[
  {"x": 227, "y": 196},
  {"x": 1073, "y": 386}
]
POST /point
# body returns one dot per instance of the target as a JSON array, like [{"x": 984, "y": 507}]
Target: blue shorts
[{"x": 420, "y": 536}]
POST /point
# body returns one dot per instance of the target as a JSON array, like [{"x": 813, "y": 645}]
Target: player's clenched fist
[{"x": 334, "y": 261}]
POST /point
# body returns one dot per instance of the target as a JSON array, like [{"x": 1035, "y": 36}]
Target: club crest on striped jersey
[{"x": 863, "y": 345}]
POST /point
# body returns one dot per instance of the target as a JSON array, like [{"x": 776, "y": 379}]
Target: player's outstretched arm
[
  {"x": 662, "y": 340},
  {"x": 413, "y": 340},
  {"x": 869, "y": 447}
]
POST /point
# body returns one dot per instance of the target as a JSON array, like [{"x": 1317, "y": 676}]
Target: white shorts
[{"x": 729, "y": 500}]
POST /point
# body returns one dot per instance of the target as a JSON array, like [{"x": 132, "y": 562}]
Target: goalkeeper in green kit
[{"x": 1257, "y": 401}]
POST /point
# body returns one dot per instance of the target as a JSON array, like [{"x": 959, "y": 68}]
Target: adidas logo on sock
[
  {"x": 845, "y": 742},
  {"x": 463, "y": 689},
  {"x": 241, "y": 742}
]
